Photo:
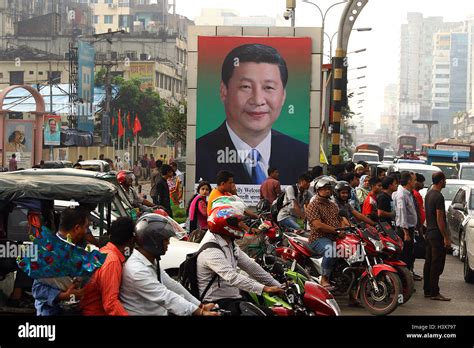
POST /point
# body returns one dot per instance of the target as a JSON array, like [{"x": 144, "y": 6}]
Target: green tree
[
  {"x": 146, "y": 104},
  {"x": 175, "y": 122}
]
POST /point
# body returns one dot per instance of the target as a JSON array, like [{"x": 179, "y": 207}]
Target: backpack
[
  {"x": 277, "y": 204},
  {"x": 187, "y": 274}
]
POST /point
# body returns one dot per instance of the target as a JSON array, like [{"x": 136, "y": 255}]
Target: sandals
[{"x": 440, "y": 297}]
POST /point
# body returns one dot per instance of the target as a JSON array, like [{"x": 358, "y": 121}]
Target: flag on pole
[
  {"x": 137, "y": 127},
  {"x": 128, "y": 121},
  {"x": 121, "y": 131}
]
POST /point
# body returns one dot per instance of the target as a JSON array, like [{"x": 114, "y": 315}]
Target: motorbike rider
[
  {"x": 223, "y": 224},
  {"x": 125, "y": 179},
  {"x": 342, "y": 194},
  {"x": 145, "y": 288},
  {"x": 325, "y": 223}
]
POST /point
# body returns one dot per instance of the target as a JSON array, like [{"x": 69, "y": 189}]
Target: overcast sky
[{"x": 382, "y": 43}]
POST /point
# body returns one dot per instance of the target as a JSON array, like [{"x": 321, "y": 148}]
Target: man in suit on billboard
[{"x": 252, "y": 89}]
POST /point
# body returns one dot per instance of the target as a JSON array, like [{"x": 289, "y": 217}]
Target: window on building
[
  {"x": 442, "y": 76},
  {"x": 96, "y": 19},
  {"x": 55, "y": 76},
  {"x": 132, "y": 55},
  {"x": 178, "y": 86},
  {"x": 113, "y": 55},
  {"x": 124, "y": 3},
  {"x": 40, "y": 73},
  {"x": 161, "y": 81},
  {"x": 108, "y": 19},
  {"x": 31, "y": 72},
  {"x": 442, "y": 66},
  {"x": 168, "y": 87},
  {"x": 108, "y": 1},
  {"x": 441, "y": 105},
  {"x": 94, "y": 1},
  {"x": 442, "y": 85},
  {"x": 124, "y": 21},
  {"x": 17, "y": 78},
  {"x": 442, "y": 95}
]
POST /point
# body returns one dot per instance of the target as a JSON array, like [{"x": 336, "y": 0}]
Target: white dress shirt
[
  {"x": 244, "y": 150},
  {"x": 142, "y": 294},
  {"x": 229, "y": 281}
]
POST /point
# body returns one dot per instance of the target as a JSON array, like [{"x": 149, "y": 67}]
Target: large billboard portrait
[
  {"x": 19, "y": 141},
  {"x": 52, "y": 130},
  {"x": 253, "y": 108}
]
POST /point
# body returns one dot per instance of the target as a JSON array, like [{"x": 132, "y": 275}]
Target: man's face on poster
[
  {"x": 253, "y": 98},
  {"x": 52, "y": 126}
]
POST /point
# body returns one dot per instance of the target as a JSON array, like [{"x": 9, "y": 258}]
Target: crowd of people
[
  {"x": 130, "y": 281},
  {"x": 368, "y": 195}
]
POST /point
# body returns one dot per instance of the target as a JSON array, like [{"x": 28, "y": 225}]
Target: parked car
[
  {"x": 96, "y": 165},
  {"x": 452, "y": 187},
  {"x": 461, "y": 227},
  {"x": 466, "y": 171},
  {"x": 57, "y": 164},
  {"x": 365, "y": 156},
  {"x": 423, "y": 169},
  {"x": 449, "y": 169}
]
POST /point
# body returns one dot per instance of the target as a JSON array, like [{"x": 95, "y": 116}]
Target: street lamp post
[{"x": 348, "y": 18}]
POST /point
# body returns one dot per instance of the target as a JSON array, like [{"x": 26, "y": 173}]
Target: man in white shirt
[
  {"x": 223, "y": 261},
  {"x": 147, "y": 290}
]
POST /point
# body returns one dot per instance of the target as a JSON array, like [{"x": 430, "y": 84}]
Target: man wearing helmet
[
  {"x": 126, "y": 178},
  {"x": 342, "y": 193},
  {"x": 324, "y": 219},
  {"x": 224, "y": 223},
  {"x": 145, "y": 288}
]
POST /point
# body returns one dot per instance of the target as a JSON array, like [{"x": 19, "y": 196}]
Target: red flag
[
  {"x": 120, "y": 126},
  {"x": 128, "y": 121},
  {"x": 137, "y": 127}
]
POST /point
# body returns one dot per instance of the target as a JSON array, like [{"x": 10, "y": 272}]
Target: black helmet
[
  {"x": 263, "y": 206},
  {"x": 151, "y": 230},
  {"x": 341, "y": 186}
]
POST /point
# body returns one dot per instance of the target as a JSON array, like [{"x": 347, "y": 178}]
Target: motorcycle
[
  {"x": 356, "y": 269},
  {"x": 392, "y": 249},
  {"x": 262, "y": 246},
  {"x": 301, "y": 298}
]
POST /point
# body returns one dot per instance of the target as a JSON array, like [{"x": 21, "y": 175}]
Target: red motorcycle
[
  {"x": 392, "y": 249},
  {"x": 377, "y": 285}
]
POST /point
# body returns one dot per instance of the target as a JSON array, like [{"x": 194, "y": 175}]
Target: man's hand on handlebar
[{"x": 274, "y": 290}]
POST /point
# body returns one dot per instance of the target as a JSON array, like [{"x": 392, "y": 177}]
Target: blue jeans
[
  {"x": 326, "y": 248},
  {"x": 289, "y": 222}
]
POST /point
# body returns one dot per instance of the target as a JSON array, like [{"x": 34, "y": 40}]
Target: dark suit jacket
[{"x": 288, "y": 155}]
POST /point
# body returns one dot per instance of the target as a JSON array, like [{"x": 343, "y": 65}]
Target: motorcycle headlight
[
  {"x": 391, "y": 246},
  {"x": 377, "y": 243},
  {"x": 333, "y": 304}
]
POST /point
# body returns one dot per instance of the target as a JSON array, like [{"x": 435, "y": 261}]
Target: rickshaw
[{"x": 29, "y": 202}]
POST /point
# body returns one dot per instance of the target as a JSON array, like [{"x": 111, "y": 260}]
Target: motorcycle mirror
[{"x": 278, "y": 268}]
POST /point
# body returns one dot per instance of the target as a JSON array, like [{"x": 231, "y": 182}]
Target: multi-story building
[
  {"x": 416, "y": 64},
  {"x": 388, "y": 119},
  {"x": 216, "y": 16},
  {"x": 449, "y": 80}
]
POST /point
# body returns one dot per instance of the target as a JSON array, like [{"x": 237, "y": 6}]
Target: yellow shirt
[{"x": 215, "y": 193}]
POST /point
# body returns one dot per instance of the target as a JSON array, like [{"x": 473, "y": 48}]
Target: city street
[{"x": 452, "y": 285}]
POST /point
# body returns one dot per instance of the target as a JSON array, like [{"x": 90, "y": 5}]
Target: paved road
[{"x": 452, "y": 285}]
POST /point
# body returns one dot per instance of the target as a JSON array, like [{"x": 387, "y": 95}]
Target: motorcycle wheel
[
  {"x": 408, "y": 285},
  {"x": 387, "y": 300}
]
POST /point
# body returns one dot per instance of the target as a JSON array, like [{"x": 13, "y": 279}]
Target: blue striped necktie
[{"x": 258, "y": 175}]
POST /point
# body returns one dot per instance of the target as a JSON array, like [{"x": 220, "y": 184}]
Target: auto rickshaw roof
[
  {"x": 55, "y": 187},
  {"x": 110, "y": 176}
]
